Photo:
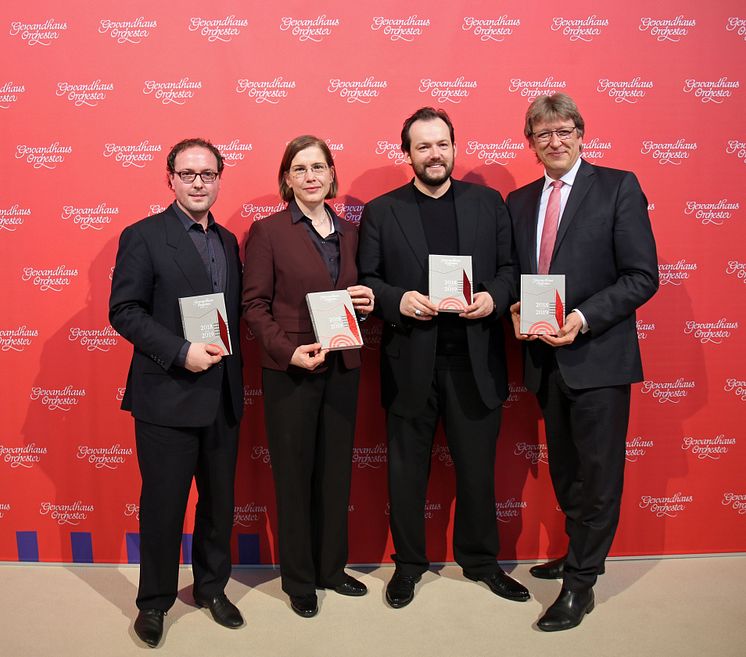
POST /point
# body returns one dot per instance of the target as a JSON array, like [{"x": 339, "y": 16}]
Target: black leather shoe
[
  {"x": 149, "y": 626},
  {"x": 223, "y": 611},
  {"x": 305, "y": 605},
  {"x": 554, "y": 569},
  {"x": 400, "y": 589},
  {"x": 502, "y": 584},
  {"x": 351, "y": 586},
  {"x": 550, "y": 570},
  {"x": 567, "y": 610}
]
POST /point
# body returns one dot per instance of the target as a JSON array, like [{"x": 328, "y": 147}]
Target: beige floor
[{"x": 679, "y": 607}]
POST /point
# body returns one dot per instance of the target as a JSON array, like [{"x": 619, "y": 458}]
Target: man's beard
[{"x": 421, "y": 172}]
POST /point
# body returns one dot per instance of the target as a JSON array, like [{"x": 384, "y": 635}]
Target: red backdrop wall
[{"x": 93, "y": 96}]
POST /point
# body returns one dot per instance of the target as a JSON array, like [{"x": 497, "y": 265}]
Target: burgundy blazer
[{"x": 281, "y": 266}]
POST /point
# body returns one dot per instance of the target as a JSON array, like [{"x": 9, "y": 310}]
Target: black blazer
[
  {"x": 606, "y": 250},
  {"x": 156, "y": 264},
  {"x": 393, "y": 259}
]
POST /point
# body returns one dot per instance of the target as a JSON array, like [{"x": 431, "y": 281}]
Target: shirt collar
[
  {"x": 568, "y": 178},
  {"x": 296, "y": 215},
  {"x": 187, "y": 221}
]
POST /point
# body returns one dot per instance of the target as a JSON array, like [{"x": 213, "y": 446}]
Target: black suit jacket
[
  {"x": 393, "y": 259},
  {"x": 606, "y": 250},
  {"x": 156, "y": 264}
]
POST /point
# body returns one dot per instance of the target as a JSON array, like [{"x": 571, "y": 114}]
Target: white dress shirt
[{"x": 569, "y": 180}]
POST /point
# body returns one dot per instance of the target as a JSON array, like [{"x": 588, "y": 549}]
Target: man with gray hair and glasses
[{"x": 591, "y": 225}]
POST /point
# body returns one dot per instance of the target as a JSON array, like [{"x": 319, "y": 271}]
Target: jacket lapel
[
  {"x": 467, "y": 218},
  {"x": 230, "y": 259},
  {"x": 311, "y": 253},
  {"x": 583, "y": 182},
  {"x": 533, "y": 201},
  {"x": 347, "y": 251},
  {"x": 185, "y": 254},
  {"x": 407, "y": 214}
]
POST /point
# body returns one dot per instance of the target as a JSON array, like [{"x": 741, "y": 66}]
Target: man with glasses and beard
[
  {"x": 186, "y": 397},
  {"x": 440, "y": 365}
]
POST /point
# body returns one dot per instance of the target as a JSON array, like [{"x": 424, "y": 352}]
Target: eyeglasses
[
  {"x": 563, "y": 134},
  {"x": 188, "y": 177},
  {"x": 318, "y": 169}
]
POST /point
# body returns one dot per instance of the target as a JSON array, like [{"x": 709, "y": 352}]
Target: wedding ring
[{"x": 418, "y": 312}]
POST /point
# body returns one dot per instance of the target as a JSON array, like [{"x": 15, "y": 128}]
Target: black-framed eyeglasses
[
  {"x": 188, "y": 177},
  {"x": 318, "y": 169},
  {"x": 545, "y": 136}
]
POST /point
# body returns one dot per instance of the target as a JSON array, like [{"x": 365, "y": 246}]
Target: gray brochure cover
[
  {"x": 542, "y": 303},
  {"x": 204, "y": 319},
  {"x": 450, "y": 282},
  {"x": 334, "y": 321}
]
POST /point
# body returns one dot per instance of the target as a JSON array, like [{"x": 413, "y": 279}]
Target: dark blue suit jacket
[{"x": 606, "y": 250}]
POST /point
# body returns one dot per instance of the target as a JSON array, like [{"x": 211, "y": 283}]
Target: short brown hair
[
  {"x": 424, "y": 114},
  {"x": 551, "y": 108},
  {"x": 191, "y": 143},
  {"x": 291, "y": 150}
]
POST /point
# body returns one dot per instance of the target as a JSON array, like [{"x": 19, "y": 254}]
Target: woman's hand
[{"x": 362, "y": 298}]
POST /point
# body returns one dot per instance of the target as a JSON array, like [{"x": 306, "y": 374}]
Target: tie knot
[{"x": 556, "y": 184}]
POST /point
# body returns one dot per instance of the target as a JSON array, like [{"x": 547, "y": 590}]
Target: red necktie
[{"x": 549, "y": 232}]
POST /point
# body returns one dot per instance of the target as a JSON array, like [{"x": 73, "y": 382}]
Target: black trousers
[
  {"x": 586, "y": 435},
  {"x": 310, "y": 420},
  {"x": 471, "y": 432},
  {"x": 169, "y": 457}
]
